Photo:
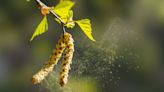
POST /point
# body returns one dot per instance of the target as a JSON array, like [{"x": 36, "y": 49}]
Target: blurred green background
[{"x": 127, "y": 56}]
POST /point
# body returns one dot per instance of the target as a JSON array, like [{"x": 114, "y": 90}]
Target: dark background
[{"x": 126, "y": 57}]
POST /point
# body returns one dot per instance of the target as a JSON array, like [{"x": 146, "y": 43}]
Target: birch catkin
[
  {"x": 48, "y": 67},
  {"x": 67, "y": 61},
  {"x": 65, "y": 44}
]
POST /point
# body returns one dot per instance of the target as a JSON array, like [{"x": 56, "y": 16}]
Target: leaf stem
[{"x": 64, "y": 29}]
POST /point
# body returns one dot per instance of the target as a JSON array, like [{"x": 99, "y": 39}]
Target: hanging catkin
[
  {"x": 48, "y": 67},
  {"x": 68, "y": 54}
]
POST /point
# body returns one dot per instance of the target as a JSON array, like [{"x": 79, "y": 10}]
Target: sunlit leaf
[
  {"x": 85, "y": 25},
  {"x": 41, "y": 28},
  {"x": 62, "y": 9},
  {"x": 70, "y": 14},
  {"x": 70, "y": 23}
]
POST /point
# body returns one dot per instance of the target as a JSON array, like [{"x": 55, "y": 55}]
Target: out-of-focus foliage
[{"x": 161, "y": 11}]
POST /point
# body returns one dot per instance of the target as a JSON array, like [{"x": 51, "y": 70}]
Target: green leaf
[
  {"x": 62, "y": 9},
  {"x": 41, "y": 28},
  {"x": 70, "y": 14},
  {"x": 70, "y": 23},
  {"x": 85, "y": 25}
]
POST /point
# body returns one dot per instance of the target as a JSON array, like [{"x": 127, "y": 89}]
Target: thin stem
[{"x": 64, "y": 29}]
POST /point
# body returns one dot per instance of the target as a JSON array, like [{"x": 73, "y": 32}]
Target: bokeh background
[{"x": 127, "y": 56}]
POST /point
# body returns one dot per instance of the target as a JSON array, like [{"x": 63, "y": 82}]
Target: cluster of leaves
[{"x": 65, "y": 18}]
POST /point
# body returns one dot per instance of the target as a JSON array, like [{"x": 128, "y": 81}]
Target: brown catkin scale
[
  {"x": 67, "y": 61},
  {"x": 48, "y": 67}
]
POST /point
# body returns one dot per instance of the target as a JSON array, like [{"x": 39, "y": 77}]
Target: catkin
[
  {"x": 65, "y": 44},
  {"x": 48, "y": 67},
  {"x": 67, "y": 61}
]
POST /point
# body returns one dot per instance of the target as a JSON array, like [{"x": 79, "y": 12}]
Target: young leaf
[
  {"x": 62, "y": 9},
  {"x": 85, "y": 25},
  {"x": 70, "y": 23},
  {"x": 41, "y": 28}
]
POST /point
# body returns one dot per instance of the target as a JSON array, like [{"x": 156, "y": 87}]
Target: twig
[
  {"x": 51, "y": 11},
  {"x": 43, "y": 5}
]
